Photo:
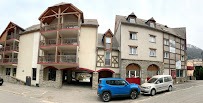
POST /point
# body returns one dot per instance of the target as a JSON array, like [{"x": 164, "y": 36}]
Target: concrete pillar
[
  {"x": 95, "y": 80},
  {"x": 58, "y": 78},
  {"x": 143, "y": 72},
  {"x": 69, "y": 76},
  {"x": 123, "y": 71},
  {"x": 41, "y": 78}
]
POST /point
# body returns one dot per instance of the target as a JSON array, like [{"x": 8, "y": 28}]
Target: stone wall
[
  {"x": 143, "y": 68},
  {"x": 43, "y": 81},
  {"x": 95, "y": 80}
]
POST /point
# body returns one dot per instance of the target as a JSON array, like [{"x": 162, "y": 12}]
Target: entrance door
[
  {"x": 105, "y": 74},
  {"x": 133, "y": 73}
]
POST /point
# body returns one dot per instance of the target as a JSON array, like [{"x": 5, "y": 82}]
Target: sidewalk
[{"x": 73, "y": 93}]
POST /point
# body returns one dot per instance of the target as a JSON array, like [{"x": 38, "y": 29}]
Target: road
[
  {"x": 189, "y": 92},
  {"x": 192, "y": 94}
]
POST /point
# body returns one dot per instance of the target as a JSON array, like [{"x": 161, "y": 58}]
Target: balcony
[
  {"x": 13, "y": 36},
  {"x": 69, "y": 41},
  {"x": 48, "y": 42},
  {"x": 66, "y": 25},
  {"x": 70, "y": 25},
  {"x": 9, "y": 48},
  {"x": 9, "y": 60},
  {"x": 60, "y": 59}
]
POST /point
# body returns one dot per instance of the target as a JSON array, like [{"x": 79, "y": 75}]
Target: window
[
  {"x": 52, "y": 74},
  {"x": 179, "y": 73},
  {"x": 133, "y": 50},
  {"x": 167, "y": 79},
  {"x": 8, "y": 71},
  {"x": 132, "y": 20},
  {"x": 151, "y": 25},
  {"x": 34, "y": 73},
  {"x": 166, "y": 55},
  {"x": 133, "y": 36},
  {"x": 132, "y": 74},
  {"x": 152, "y": 39},
  {"x": 107, "y": 58},
  {"x": 152, "y": 52},
  {"x": 182, "y": 47},
  {"x": 182, "y": 58},
  {"x": 160, "y": 80},
  {"x": 14, "y": 72},
  {"x": 108, "y": 42},
  {"x": 166, "y": 42}
]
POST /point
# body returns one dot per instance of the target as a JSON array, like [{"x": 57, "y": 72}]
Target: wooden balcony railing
[
  {"x": 9, "y": 60},
  {"x": 60, "y": 59},
  {"x": 48, "y": 42}
]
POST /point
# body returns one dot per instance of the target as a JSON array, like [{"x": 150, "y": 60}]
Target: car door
[
  {"x": 166, "y": 83},
  {"x": 121, "y": 87},
  {"x": 159, "y": 84}
]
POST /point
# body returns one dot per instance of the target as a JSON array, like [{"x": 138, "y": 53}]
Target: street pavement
[{"x": 187, "y": 92}]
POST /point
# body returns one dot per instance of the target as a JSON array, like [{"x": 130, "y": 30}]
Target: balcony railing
[
  {"x": 66, "y": 58},
  {"x": 8, "y": 48},
  {"x": 13, "y": 36},
  {"x": 47, "y": 59},
  {"x": 49, "y": 27},
  {"x": 48, "y": 42},
  {"x": 9, "y": 60},
  {"x": 69, "y": 41},
  {"x": 60, "y": 59},
  {"x": 70, "y": 25}
]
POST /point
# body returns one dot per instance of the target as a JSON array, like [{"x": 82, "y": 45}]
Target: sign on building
[
  {"x": 178, "y": 64},
  {"x": 172, "y": 46}
]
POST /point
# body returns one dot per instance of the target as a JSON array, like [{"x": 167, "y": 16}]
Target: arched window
[{"x": 132, "y": 71}]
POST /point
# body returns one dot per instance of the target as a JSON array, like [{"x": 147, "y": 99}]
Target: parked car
[
  {"x": 156, "y": 84},
  {"x": 114, "y": 87},
  {"x": 1, "y": 81}
]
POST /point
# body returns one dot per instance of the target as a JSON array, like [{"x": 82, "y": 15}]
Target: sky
[{"x": 173, "y": 13}]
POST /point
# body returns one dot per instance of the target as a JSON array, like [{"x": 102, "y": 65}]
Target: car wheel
[
  {"x": 133, "y": 94},
  {"x": 1, "y": 84},
  {"x": 170, "y": 88},
  {"x": 153, "y": 92},
  {"x": 106, "y": 96}
]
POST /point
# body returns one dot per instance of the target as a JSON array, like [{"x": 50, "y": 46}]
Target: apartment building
[
  {"x": 9, "y": 50},
  {"x": 65, "y": 45},
  {"x": 149, "y": 48}
]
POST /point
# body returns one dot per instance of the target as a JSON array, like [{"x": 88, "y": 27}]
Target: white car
[{"x": 156, "y": 84}]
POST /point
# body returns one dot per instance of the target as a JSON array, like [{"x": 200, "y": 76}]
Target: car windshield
[{"x": 152, "y": 80}]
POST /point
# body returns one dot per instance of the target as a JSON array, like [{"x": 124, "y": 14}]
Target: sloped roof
[
  {"x": 101, "y": 42},
  {"x": 179, "y": 32},
  {"x": 91, "y": 22},
  {"x": 31, "y": 28},
  {"x": 152, "y": 19}
]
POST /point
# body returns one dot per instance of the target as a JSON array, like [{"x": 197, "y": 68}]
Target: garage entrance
[
  {"x": 152, "y": 70},
  {"x": 76, "y": 77},
  {"x": 105, "y": 74}
]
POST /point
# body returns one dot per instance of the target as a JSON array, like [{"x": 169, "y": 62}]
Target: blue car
[{"x": 114, "y": 87}]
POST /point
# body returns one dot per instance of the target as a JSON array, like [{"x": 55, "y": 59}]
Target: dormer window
[
  {"x": 151, "y": 25},
  {"x": 108, "y": 42},
  {"x": 151, "y": 22},
  {"x": 132, "y": 20}
]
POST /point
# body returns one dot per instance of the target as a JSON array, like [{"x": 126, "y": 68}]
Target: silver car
[{"x": 156, "y": 84}]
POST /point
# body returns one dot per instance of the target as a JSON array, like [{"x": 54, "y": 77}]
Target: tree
[{"x": 201, "y": 73}]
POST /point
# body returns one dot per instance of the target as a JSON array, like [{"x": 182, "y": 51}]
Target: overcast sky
[{"x": 174, "y": 13}]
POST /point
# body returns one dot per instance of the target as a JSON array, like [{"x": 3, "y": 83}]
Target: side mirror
[{"x": 126, "y": 84}]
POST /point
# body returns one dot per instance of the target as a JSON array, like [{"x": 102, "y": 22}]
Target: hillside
[{"x": 193, "y": 52}]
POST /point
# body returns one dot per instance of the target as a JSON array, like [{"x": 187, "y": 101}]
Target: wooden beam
[
  {"x": 54, "y": 12},
  {"x": 50, "y": 16},
  {"x": 69, "y": 13},
  {"x": 65, "y": 10}
]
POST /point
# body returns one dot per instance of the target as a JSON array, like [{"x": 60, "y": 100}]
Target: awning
[{"x": 190, "y": 68}]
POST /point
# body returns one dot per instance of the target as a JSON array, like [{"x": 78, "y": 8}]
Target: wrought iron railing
[
  {"x": 69, "y": 41},
  {"x": 47, "y": 59},
  {"x": 48, "y": 42},
  {"x": 70, "y": 25},
  {"x": 49, "y": 27},
  {"x": 66, "y": 58},
  {"x": 8, "y": 48},
  {"x": 9, "y": 60}
]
